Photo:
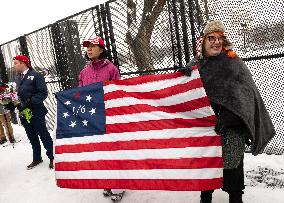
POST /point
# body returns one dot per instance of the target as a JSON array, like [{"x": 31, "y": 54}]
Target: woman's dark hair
[{"x": 103, "y": 55}]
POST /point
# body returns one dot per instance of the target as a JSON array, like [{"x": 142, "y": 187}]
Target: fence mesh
[{"x": 155, "y": 36}]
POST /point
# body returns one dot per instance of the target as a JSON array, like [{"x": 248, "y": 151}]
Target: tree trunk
[{"x": 140, "y": 44}]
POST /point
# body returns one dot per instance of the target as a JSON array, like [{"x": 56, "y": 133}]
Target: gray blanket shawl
[{"x": 229, "y": 83}]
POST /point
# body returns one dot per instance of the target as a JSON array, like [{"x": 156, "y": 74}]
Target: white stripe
[
  {"x": 159, "y": 115},
  {"x": 152, "y": 86},
  {"x": 140, "y": 135},
  {"x": 180, "y": 174},
  {"x": 167, "y": 153},
  {"x": 167, "y": 101}
]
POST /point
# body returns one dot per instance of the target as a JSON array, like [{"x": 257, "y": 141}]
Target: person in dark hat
[
  {"x": 242, "y": 117},
  {"x": 32, "y": 91}
]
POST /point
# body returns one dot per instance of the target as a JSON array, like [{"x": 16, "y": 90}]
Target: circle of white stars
[{"x": 84, "y": 122}]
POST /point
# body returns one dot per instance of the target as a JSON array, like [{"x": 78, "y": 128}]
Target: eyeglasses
[{"x": 213, "y": 39}]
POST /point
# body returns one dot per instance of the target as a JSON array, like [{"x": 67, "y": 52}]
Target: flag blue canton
[{"x": 81, "y": 112}]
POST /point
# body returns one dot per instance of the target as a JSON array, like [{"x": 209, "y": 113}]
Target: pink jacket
[{"x": 98, "y": 71}]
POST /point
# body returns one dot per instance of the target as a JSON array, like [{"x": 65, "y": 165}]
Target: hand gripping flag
[{"x": 153, "y": 132}]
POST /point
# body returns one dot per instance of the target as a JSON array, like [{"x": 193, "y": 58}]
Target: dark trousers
[
  {"x": 233, "y": 182},
  {"x": 37, "y": 129}
]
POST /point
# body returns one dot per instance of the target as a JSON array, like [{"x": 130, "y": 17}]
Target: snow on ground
[{"x": 264, "y": 175}]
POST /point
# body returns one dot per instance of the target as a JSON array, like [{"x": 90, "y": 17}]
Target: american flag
[{"x": 153, "y": 132}]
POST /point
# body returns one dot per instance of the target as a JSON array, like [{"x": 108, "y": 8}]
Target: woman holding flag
[
  {"x": 241, "y": 114},
  {"x": 99, "y": 69}
]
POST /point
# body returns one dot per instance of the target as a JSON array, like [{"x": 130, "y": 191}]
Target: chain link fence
[{"x": 157, "y": 36}]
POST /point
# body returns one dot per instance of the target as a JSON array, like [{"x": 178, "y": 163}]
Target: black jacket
[{"x": 32, "y": 89}]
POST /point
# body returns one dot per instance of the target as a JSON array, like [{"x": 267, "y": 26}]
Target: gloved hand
[
  {"x": 186, "y": 70},
  {"x": 10, "y": 106},
  {"x": 248, "y": 142},
  {"x": 24, "y": 105}
]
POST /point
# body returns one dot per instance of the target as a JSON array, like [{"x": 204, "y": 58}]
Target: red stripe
[
  {"x": 140, "y": 108},
  {"x": 141, "y": 144},
  {"x": 161, "y": 124},
  {"x": 184, "y": 163},
  {"x": 173, "y": 185},
  {"x": 157, "y": 94},
  {"x": 194, "y": 67},
  {"x": 145, "y": 79}
]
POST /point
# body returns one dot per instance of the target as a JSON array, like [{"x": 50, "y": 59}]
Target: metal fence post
[
  {"x": 111, "y": 35},
  {"x": 60, "y": 56},
  {"x": 106, "y": 30},
  {"x": 24, "y": 46},
  {"x": 184, "y": 32},
  {"x": 3, "y": 70}
]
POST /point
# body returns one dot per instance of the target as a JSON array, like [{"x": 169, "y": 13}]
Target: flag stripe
[
  {"x": 142, "y": 135},
  {"x": 157, "y": 115},
  {"x": 172, "y": 185},
  {"x": 141, "y": 144},
  {"x": 157, "y": 94},
  {"x": 169, "y": 153},
  {"x": 139, "y": 108},
  {"x": 161, "y": 124},
  {"x": 205, "y": 173},
  {"x": 184, "y": 163},
  {"x": 149, "y": 86},
  {"x": 168, "y": 101},
  {"x": 146, "y": 79}
]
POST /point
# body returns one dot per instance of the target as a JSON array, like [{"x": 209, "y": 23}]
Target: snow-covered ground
[{"x": 264, "y": 175}]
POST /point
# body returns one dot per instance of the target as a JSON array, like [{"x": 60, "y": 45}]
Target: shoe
[
  {"x": 34, "y": 164},
  {"x": 107, "y": 193},
  {"x": 205, "y": 201},
  {"x": 12, "y": 140},
  {"x": 3, "y": 141},
  {"x": 117, "y": 197},
  {"x": 51, "y": 166},
  {"x": 235, "y": 197}
]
